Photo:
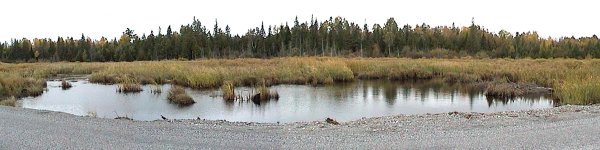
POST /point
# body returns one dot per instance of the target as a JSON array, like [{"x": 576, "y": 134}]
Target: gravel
[{"x": 564, "y": 127}]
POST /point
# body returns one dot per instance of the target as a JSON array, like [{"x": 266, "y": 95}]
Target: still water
[{"x": 297, "y": 103}]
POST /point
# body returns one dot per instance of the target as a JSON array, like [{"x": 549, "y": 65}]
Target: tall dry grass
[
  {"x": 228, "y": 90},
  {"x": 573, "y": 81},
  {"x": 11, "y": 101},
  {"x": 28, "y": 79}
]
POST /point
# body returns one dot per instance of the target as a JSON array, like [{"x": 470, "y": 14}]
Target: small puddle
[{"x": 297, "y": 103}]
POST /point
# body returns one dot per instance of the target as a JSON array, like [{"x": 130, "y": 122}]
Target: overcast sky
[{"x": 109, "y": 18}]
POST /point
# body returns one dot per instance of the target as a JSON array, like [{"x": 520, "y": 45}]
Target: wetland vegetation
[
  {"x": 572, "y": 81},
  {"x": 178, "y": 95}
]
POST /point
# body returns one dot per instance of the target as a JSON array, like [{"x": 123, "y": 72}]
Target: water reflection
[{"x": 344, "y": 101}]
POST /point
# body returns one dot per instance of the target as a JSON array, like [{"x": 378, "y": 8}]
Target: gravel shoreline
[
  {"x": 523, "y": 114},
  {"x": 569, "y": 126}
]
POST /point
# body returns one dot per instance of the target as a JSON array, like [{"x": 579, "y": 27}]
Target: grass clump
[
  {"x": 264, "y": 94},
  {"x": 12, "y": 101},
  {"x": 228, "y": 90},
  {"x": 15, "y": 85},
  {"x": 178, "y": 96},
  {"x": 129, "y": 85},
  {"x": 579, "y": 92},
  {"x": 65, "y": 85},
  {"x": 129, "y": 88}
]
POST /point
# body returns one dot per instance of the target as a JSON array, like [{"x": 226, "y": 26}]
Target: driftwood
[{"x": 331, "y": 121}]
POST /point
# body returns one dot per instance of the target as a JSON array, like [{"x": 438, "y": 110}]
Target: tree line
[{"x": 332, "y": 37}]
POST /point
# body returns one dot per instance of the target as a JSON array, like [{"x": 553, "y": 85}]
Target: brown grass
[
  {"x": 178, "y": 96},
  {"x": 12, "y": 101},
  {"x": 573, "y": 81},
  {"x": 129, "y": 85},
  {"x": 129, "y": 88},
  {"x": 228, "y": 90}
]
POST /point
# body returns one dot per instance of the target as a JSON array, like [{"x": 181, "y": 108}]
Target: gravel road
[{"x": 565, "y": 127}]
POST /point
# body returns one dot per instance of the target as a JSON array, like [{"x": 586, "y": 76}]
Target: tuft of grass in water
[
  {"x": 129, "y": 88},
  {"x": 228, "y": 90},
  {"x": 129, "y": 85},
  {"x": 264, "y": 94},
  {"x": 65, "y": 85},
  {"x": 12, "y": 101},
  {"x": 178, "y": 96},
  {"x": 156, "y": 89}
]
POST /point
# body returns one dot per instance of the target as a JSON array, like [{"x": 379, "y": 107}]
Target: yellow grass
[
  {"x": 228, "y": 90},
  {"x": 573, "y": 81},
  {"x": 12, "y": 101}
]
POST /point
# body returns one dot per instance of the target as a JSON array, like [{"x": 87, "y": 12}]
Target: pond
[{"x": 297, "y": 103}]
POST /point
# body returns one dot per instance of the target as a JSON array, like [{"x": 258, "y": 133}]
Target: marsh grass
[
  {"x": 12, "y": 85},
  {"x": 177, "y": 95},
  {"x": 12, "y": 101},
  {"x": 573, "y": 81},
  {"x": 129, "y": 88},
  {"x": 129, "y": 85},
  {"x": 228, "y": 90},
  {"x": 264, "y": 94},
  {"x": 242, "y": 72}
]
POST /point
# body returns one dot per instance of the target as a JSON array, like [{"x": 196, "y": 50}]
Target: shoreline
[
  {"x": 467, "y": 115},
  {"x": 564, "y": 127}
]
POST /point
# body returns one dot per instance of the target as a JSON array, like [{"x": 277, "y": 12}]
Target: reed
[{"x": 228, "y": 90}]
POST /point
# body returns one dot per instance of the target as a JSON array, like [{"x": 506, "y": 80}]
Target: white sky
[{"x": 109, "y": 18}]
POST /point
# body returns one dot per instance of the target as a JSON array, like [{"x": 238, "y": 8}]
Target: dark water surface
[{"x": 344, "y": 102}]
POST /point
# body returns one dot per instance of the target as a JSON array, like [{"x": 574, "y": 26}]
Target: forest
[{"x": 332, "y": 37}]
